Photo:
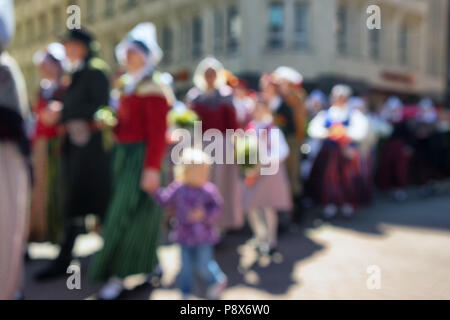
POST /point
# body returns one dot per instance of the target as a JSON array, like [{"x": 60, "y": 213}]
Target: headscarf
[
  {"x": 289, "y": 74},
  {"x": 341, "y": 91},
  {"x": 143, "y": 38},
  {"x": 427, "y": 112},
  {"x": 54, "y": 50},
  {"x": 12, "y": 84},
  {"x": 393, "y": 109},
  {"x": 314, "y": 97},
  {"x": 204, "y": 65},
  {"x": 7, "y": 22}
]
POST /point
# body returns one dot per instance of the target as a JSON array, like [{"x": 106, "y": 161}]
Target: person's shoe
[
  {"x": 263, "y": 249},
  {"x": 276, "y": 255},
  {"x": 216, "y": 290},
  {"x": 54, "y": 270},
  {"x": 112, "y": 290},
  {"x": 329, "y": 212},
  {"x": 154, "y": 279},
  {"x": 348, "y": 211}
]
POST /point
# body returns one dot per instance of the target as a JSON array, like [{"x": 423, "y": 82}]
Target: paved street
[{"x": 409, "y": 243}]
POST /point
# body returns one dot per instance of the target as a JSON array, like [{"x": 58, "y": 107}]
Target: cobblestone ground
[{"x": 407, "y": 242}]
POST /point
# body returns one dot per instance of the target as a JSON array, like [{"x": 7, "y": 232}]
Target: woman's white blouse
[
  {"x": 357, "y": 129},
  {"x": 278, "y": 149}
]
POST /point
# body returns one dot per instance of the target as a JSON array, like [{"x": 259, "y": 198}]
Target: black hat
[{"x": 80, "y": 35}]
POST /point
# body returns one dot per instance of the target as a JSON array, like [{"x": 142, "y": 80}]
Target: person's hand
[
  {"x": 197, "y": 215},
  {"x": 251, "y": 175},
  {"x": 49, "y": 117},
  {"x": 151, "y": 181}
]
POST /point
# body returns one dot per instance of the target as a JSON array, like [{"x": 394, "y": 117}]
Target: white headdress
[
  {"x": 7, "y": 23},
  {"x": 392, "y": 109},
  {"x": 289, "y": 74},
  {"x": 144, "y": 38},
  {"x": 314, "y": 97},
  {"x": 204, "y": 65},
  {"x": 55, "y": 50},
  {"x": 428, "y": 113},
  {"x": 341, "y": 91}
]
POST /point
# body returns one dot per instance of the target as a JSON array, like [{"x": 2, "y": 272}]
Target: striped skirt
[
  {"x": 46, "y": 209},
  {"x": 336, "y": 178},
  {"x": 133, "y": 221}
]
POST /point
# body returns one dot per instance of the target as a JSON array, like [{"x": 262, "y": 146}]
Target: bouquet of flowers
[
  {"x": 338, "y": 133},
  {"x": 182, "y": 118},
  {"x": 106, "y": 120},
  {"x": 246, "y": 155},
  {"x": 106, "y": 117}
]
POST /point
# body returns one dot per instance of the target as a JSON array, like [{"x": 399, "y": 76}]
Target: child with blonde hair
[{"x": 197, "y": 206}]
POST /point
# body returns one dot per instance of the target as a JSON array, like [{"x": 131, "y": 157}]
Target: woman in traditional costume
[
  {"x": 265, "y": 195},
  {"x": 336, "y": 174},
  {"x": 46, "y": 216},
  {"x": 213, "y": 103},
  {"x": 429, "y": 145},
  {"x": 14, "y": 165},
  {"x": 133, "y": 222},
  {"x": 395, "y": 152}
]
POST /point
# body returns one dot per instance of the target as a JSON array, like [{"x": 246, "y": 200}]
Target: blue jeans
[{"x": 200, "y": 260}]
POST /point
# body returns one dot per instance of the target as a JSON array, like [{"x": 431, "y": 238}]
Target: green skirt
[
  {"x": 133, "y": 221},
  {"x": 54, "y": 191}
]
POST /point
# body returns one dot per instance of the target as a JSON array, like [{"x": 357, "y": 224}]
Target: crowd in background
[{"x": 104, "y": 149}]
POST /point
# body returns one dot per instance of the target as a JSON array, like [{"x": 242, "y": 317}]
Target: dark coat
[
  {"x": 86, "y": 168},
  {"x": 285, "y": 120}
]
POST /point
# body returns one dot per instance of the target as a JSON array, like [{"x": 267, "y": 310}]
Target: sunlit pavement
[{"x": 407, "y": 242}]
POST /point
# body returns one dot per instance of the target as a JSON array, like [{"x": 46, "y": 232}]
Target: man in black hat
[{"x": 85, "y": 162}]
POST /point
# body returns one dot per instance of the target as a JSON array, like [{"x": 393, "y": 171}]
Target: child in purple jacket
[{"x": 197, "y": 205}]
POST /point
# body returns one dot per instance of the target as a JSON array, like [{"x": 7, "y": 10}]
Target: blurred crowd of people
[{"x": 104, "y": 149}]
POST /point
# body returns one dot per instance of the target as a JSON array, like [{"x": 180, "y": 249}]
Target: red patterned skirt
[{"x": 336, "y": 177}]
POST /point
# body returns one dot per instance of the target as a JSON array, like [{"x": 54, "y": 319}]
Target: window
[
  {"x": 197, "y": 38},
  {"x": 374, "y": 44},
  {"x": 342, "y": 30},
  {"x": 42, "y": 26},
  {"x": 276, "y": 25},
  {"x": 218, "y": 32},
  {"x": 90, "y": 11},
  {"x": 302, "y": 25},
  {"x": 403, "y": 45},
  {"x": 233, "y": 30},
  {"x": 130, "y": 4},
  {"x": 109, "y": 7},
  {"x": 185, "y": 40},
  {"x": 167, "y": 41},
  {"x": 57, "y": 20},
  {"x": 30, "y": 31}
]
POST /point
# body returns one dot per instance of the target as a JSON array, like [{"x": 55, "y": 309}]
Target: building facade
[{"x": 327, "y": 40}]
